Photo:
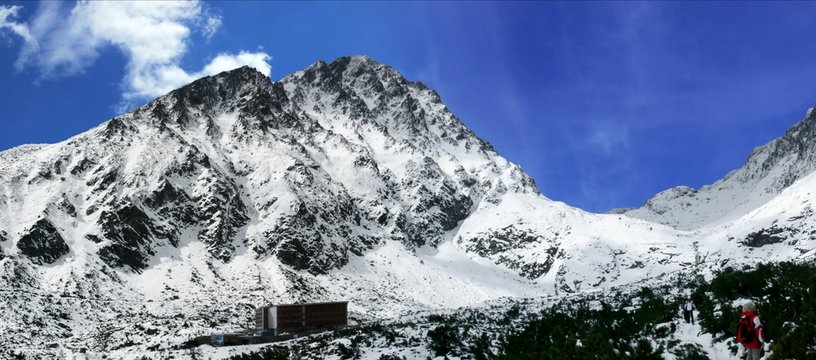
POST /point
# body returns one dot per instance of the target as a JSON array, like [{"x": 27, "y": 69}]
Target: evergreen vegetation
[
  {"x": 577, "y": 331},
  {"x": 444, "y": 339},
  {"x": 785, "y": 295}
]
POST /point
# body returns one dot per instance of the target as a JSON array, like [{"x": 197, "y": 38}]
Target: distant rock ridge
[{"x": 768, "y": 171}]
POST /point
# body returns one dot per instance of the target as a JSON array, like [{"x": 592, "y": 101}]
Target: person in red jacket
[{"x": 749, "y": 331}]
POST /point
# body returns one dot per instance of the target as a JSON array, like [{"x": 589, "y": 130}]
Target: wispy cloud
[
  {"x": 66, "y": 40},
  {"x": 7, "y": 23},
  {"x": 211, "y": 25},
  {"x": 608, "y": 138}
]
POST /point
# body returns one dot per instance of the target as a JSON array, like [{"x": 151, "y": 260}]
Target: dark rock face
[
  {"x": 66, "y": 206},
  {"x": 439, "y": 206},
  {"x": 173, "y": 206},
  {"x": 82, "y": 166},
  {"x": 102, "y": 179},
  {"x": 131, "y": 234},
  {"x": 316, "y": 233},
  {"x": 500, "y": 245},
  {"x": 223, "y": 213},
  {"x": 42, "y": 243},
  {"x": 772, "y": 235},
  {"x": 3, "y": 238},
  {"x": 318, "y": 239}
]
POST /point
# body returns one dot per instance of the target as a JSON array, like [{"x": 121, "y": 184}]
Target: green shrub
[
  {"x": 575, "y": 331},
  {"x": 444, "y": 339},
  {"x": 785, "y": 294}
]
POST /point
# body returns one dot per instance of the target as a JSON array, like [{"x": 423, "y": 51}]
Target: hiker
[
  {"x": 749, "y": 331},
  {"x": 688, "y": 310}
]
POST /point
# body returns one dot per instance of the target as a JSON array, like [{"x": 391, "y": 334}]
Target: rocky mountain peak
[
  {"x": 362, "y": 90},
  {"x": 347, "y": 68},
  {"x": 244, "y": 91},
  {"x": 769, "y": 170},
  {"x": 227, "y": 85},
  {"x": 784, "y": 160},
  {"x": 326, "y": 164},
  {"x": 357, "y": 78}
]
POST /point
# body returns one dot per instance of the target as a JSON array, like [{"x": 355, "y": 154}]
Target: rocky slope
[
  {"x": 769, "y": 170},
  {"x": 341, "y": 181}
]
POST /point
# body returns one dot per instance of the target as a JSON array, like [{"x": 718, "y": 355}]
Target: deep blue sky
[{"x": 604, "y": 104}]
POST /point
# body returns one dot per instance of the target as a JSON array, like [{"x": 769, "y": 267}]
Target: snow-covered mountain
[
  {"x": 769, "y": 170},
  {"x": 341, "y": 181}
]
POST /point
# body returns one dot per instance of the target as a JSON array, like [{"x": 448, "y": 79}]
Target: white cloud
[
  {"x": 153, "y": 35},
  {"x": 223, "y": 62},
  {"x": 162, "y": 79},
  {"x": 7, "y": 13},
  {"x": 211, "y": 26}
]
